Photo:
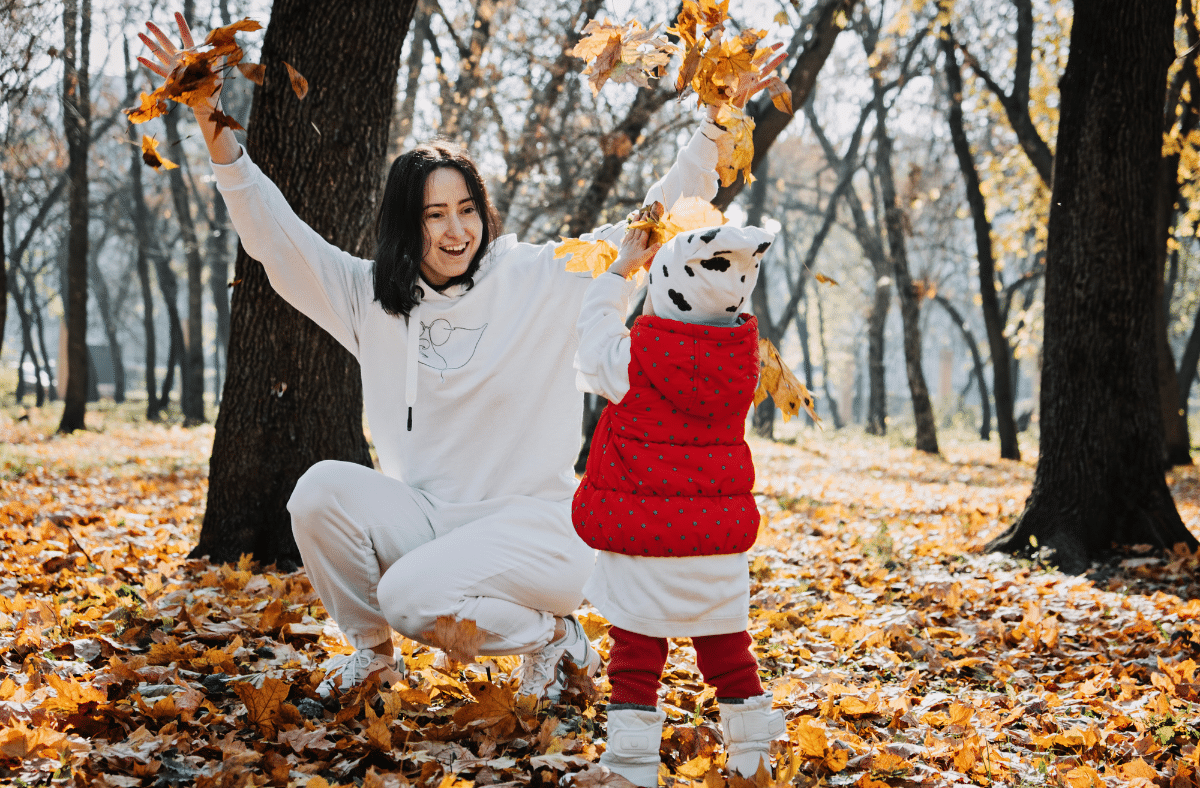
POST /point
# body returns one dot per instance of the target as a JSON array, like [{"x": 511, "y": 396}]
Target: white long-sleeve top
[{"x": 488, "y": 371}]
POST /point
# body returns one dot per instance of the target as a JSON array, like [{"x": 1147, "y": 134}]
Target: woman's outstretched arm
[{"x": 223, "y": 147}]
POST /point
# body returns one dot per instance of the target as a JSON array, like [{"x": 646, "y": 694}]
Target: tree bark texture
[
  {"x": 769, "y": 122},
  {"x": 76, "y": 119},
  {"x": 293, "y": 395},
  {"x": 3, "y": 271},
  {"x": 993, "y": 322},
  {"x": 169, "y": 286},
  {"x": 910, "y": 308},
  {"x": 1099, "y": 479},
  {"x": 1188, "y": 363}
]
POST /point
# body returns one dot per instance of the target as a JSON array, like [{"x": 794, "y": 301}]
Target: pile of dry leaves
[{"x": 901, "y": 655}]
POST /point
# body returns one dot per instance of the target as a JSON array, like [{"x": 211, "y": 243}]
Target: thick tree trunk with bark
[
  {"x": 1099, "y": 478},
  {"x": 77, "y": 27},
  {"x": 993, "y": 322},
  {"x": 910, "y": 308},
  {"x": 293, "y": 395}
]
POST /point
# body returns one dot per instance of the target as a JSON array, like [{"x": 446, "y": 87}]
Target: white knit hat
[{"x": 706, "y": 275}]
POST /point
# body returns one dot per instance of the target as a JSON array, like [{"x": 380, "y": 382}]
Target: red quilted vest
[{"x": 669, "y": 472}]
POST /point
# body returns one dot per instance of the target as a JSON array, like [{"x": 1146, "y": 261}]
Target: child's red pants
[{"x": 636, "y": 662}]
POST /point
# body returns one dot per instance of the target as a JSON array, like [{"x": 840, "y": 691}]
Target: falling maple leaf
[
  {"x": 255, "y": 72},
  {"x": 623, "y": 53},
  {"x": 688, "y": 213},
  {"x": 152, "y": 157},
  {"x": 778, "y": 382},
  {"x": 822, "y": 278},
  {"x": 594, "y": 256}
]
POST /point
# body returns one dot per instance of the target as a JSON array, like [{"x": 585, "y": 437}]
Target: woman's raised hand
[{"x": 222, "y": 146}]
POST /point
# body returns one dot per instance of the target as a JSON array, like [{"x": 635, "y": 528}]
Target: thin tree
[
  {"x": 1099, "y": 479},
  {"x": 77, "y": 28},
  {"x": 1001, "y": 351}
]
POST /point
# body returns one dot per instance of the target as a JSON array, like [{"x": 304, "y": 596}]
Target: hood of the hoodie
[{"x": 701, "y": 370}]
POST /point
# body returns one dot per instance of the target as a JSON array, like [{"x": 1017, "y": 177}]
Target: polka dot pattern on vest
[{"x": 669, "y": 473}]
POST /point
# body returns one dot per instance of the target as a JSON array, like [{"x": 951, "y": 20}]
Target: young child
[{"x": 666, "y": 495}]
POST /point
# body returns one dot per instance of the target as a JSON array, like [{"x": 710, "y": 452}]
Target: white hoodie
[{"x": 488, "y": 371}]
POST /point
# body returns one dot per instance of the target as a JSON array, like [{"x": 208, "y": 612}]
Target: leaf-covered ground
[{"x": 901, "y": 655}]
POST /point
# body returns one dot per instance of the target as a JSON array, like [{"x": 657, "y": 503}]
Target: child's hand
[{"x": 633, "y": 253}]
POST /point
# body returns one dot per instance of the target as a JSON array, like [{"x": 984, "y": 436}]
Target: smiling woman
[{"x": 435, "y": 223}]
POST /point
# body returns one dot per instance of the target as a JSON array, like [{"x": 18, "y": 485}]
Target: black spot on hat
[
  {"x": 690, "y": 237},
  {"x": 743, "y": 278},
  {"x": 724, "y": 251},
  {"x": 731, "y": 308},
  {"x": 680, "y": 301},
  {"x": 716, "y": 263},
  {"x": 665, "y": 274},
  {"x": 708, "y": 236},
  {"x": 762, "y": 247},
  {"x": 651, "y": 275},
  {"x": 689, "y": 270}
]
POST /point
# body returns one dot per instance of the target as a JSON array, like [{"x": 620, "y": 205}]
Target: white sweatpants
[{"x": 383, "y": 556}]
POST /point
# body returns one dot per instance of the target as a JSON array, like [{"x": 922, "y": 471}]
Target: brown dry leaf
[
  {"x": 777, "y": 381},
  {"x": 150, "y": 106},
  {"x": 255, "y": 72},
  {"x": 299, "y": 83},
  {"x": 263, "y": 703},
  {"x": 781, "y": 94},
  {"x": 378, "y": 732},
  {"x": 623, "y": 53},
  {"x": 224, "y": 121},
  {"x": 152, "y": 157},
  {"x": 810, "y": 738},
  {"x": 460, "y": 638},
  {"x": 735, "y": 147},
  {"x": 594, "y": 256}
]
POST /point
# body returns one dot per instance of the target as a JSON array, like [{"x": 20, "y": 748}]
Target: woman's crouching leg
[
  {"x": 510, "y": 573},
  {"x": 351, "y": 523}
]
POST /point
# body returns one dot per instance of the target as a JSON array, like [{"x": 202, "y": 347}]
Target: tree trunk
[
  {"x": 143, "y": 241},
  {"x": 763, "y": 422},
  {"x": 826, "y": 368},
  {"x": 77, "y": 27},
  {"x": 910, "y": 308},
  {"x": 191, "y": 397},
  {"x": 169, "y": 286},
  {"x": 3, "y": 272},
  {"x": 998, "y": 345},
  {"x": 218, "y": 273},
  {"x": 1188, "y": 363},
  {"x": 100, "y": 288},
  {"x": 268, "y": 434},
  {"x": 1099, "y": 479},
  {"x": 1176, "y": 442},
  {"x": 985, "y": 428},
  {"x": 876, "y": 369}
]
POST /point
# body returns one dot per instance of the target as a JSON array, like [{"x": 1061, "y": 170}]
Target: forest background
[{"x": 919, "y": 167}]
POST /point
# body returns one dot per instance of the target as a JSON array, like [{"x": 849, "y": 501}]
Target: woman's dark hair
[{"x": 400, "y": 227}]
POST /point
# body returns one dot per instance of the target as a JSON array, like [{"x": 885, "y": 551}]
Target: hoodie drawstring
[{"x": 410, "y": 376}]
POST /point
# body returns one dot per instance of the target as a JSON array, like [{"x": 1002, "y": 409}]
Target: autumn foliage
[{"x": 900, "y": 655}]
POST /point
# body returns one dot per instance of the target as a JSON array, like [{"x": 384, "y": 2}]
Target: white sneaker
[
  {"x": 346, "y": 671},
  {"x": 543, "y": 672}
]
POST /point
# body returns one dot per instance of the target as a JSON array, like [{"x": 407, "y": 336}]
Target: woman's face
[{"x": 453, "y": 226}]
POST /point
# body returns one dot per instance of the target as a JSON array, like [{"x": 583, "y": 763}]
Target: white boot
[
  {"x": 749, "y": 728},
  {"x": 634, "y": 736}
]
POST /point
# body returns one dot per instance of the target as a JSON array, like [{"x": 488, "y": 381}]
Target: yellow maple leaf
[
  {"x": 152, "y": 157},
  {"x": 690, "y": 213},
  {"x": 810, "y": 738},
  {"x": 778, "y": 382},
  {"x": 735, "y": 145},
  {"x": 1083, "y": 776},
  {"x": 594, "y": 256}
]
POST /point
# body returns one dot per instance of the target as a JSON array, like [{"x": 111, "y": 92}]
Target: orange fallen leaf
[
  {"x": 460, "y": 638},
  {"x": 263, "y": 704}
]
